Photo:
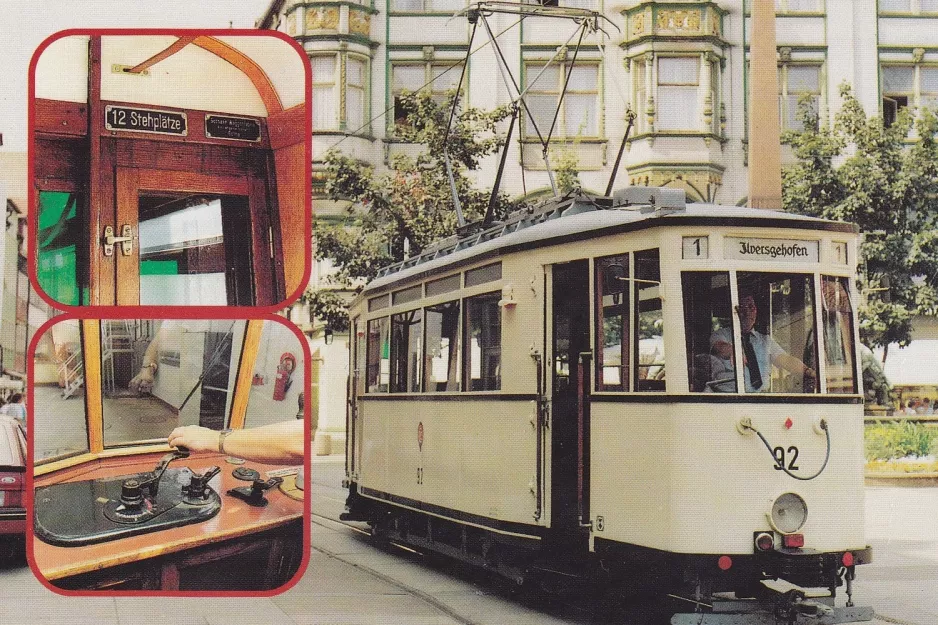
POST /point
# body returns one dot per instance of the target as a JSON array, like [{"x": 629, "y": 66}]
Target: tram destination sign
[
  {"x": 771, "y": 250},
  {"x": 145, "y": 120},
  {"x": 237, "y": 128}
]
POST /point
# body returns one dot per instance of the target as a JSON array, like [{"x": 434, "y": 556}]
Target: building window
[
  {"x": 678, "y": 103},
  {"x": 329, "y": 92},
  {"x": 799, "y": 6},
  {"x": 426, "y": 6},
  {"x": 908, "y": 86},
  {"x": 796, "y": 83},
  {"x": 439, "y": 79},
  {"x": 483, "y": 343},
  {"x": 578, "y": 115},
  {"x": 354, "y": 95},
  {"x": 908, "y": 6},
  {"x": 325, "y": 111}
]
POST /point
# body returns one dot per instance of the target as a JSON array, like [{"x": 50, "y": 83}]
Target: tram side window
[
  {"x": 839, "y": 352},
  {"x": 650, "y": 361},
  {"x": 379, "y": 355},
  {"x": 777, "y": 318},
  {"x": 612, "y": 323},
  {"x": 483, "y": 343},
  {"x": 59, "y": 427},
  {"x": 708, "y": 327},
  {"x": 406, "y": 359},
  {"x": 441, "y": 353}
]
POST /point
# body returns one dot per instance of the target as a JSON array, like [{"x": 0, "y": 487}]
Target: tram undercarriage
[{"x": 771, "y": 588}]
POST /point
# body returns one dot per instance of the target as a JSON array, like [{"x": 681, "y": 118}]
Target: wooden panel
[
  {"x": 91, "y": 339},
  {"x": 64, "y": 159},
  {"x": 100, "y": 199},
  {"x": 288, "y": 128},
  {"x": 204, "y": 159},
  {"x": 292, "y": 198},
  {"x": 242, "y": 393},
  {"x": 188, "y": 181},
  {"x": 265, "y": 291},
  {"x": 236, "y": 519},
  {"x": 128, "y": 267},
  {"x": 56, "y": 117}
]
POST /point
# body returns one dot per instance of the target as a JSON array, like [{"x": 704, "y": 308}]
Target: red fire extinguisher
[{"x": 284, "y": 371}]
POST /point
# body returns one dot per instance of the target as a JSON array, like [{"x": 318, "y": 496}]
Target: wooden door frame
[{"x": 129, "y": 183}]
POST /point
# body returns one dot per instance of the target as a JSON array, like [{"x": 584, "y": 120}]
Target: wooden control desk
[{"x": 242, "y": 548}]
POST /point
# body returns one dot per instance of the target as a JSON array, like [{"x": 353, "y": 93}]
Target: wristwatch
[{"x": 222, "y": 435}]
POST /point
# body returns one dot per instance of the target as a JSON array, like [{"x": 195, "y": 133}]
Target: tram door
[{"x": 570, "y": 452}]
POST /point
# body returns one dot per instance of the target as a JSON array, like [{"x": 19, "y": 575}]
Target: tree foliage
[
  {"x": 884, "y": 179},
  {"x": 402, "y": 211}
]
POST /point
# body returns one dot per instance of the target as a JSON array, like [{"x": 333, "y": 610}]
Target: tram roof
[{"x": 577, "y": 218}]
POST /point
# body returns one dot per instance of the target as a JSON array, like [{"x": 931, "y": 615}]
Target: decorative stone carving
[
  {"x": 701, "y": 185},
  {"x": 638, "y": 24},
  {"x": 784, "y": 55},
  {"x": 291, "y": 24},
  {"x": 679, "y": 20},
  {"x": 918, "y": 55},
  {"x": 428, "y": 53},
  {"x": 359, "y": 23},
  {"x": 322, "y": 18}
]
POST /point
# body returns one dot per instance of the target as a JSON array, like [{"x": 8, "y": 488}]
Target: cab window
[
  {"x": 708, "y": 316},
  {"x": 839, "y": 350}
]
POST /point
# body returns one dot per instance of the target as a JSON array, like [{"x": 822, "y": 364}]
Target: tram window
[
  {"x": 377, "y": 303},
  {"x": 194, "y": 250},
  {"x": 441, "y": 354},
  {"x": 59, "y": 427},
  {"x": 406, "y": 359},
  {"x": 379, "y": 355},
  {"x": 612, "y": 323},
  {"x": 779, "y": 311},
  {"x": 483, "y": 343},
  {"x": 277, "y": 384},
  {"x": 488, "y": 273},
  {"x": 409, "y": 294},
  {"x": 57, "y": 246},
  {"x": 157, "y": 375},
  {"x": 443, "y": 285},
  {"x": 837, "y": 317},
  {"x": 650, "y": 360},
  {"x": 707, "y": 313}
]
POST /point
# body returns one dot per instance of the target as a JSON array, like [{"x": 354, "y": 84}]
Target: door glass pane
[
  {"x": 708, "y": 328},
  {"x": 612, "y": 324},
  {"x": 59, "y": 426},
  {"x": 839, "y": 352},
  {"x": 650, "y": 321},
  {"x": 59, "y": 230},
  {"x": 160, "y": 374},
  {"x": 194, "y": 250},
  {"x": 277, "y": 392},
  {"x": 441, "y": 368}
]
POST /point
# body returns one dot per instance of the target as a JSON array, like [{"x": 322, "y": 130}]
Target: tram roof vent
[{"x": 652, "y": 199}]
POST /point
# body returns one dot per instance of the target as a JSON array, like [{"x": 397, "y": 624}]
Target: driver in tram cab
[{"x": 760, "y": 352}]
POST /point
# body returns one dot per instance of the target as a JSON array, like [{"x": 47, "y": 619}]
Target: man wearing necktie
[{"x": 760, "y": 351}]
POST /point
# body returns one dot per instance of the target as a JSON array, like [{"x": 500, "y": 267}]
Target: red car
[{"x": 12, "y": 487}]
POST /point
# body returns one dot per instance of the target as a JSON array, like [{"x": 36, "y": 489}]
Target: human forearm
[{"x": 278, "y": 443}]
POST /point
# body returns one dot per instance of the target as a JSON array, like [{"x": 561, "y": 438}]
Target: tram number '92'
[{"x": 780, "y": 452}]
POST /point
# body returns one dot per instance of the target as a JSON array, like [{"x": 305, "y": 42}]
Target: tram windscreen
[
  {"x": 707, "y": 315},
  {"x": 839, "y": 351},
  {"x": 194, "y": 249},
  {"x": 160, "y": 374}
]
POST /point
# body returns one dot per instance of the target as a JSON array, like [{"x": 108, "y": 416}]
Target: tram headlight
[{"x": 788, "y": 514}]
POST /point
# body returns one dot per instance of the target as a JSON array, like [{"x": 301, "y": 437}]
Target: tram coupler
[{"x": 787, "y": 604}]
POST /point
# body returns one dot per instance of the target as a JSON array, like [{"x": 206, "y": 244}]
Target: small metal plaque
[
  {"x": 154, "y": 121},
  {"x": 237, "y": 128}
]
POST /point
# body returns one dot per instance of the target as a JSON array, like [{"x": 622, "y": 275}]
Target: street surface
[{"x": 350, "y": 581}]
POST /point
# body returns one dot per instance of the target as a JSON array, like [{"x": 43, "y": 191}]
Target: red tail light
[
  {"x": 725, "y": 562},
  {"x": 847, "y": 559},
  {"x": 793, "y": 541}
]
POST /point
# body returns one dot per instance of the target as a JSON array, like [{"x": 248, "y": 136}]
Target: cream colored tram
[{"x": 549, "y": 392}]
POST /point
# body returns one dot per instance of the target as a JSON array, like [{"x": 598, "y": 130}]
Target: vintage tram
[{"x": 557, "y": 392}]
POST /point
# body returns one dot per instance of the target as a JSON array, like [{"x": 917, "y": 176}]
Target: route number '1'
[{"x": 696, "y": 248}]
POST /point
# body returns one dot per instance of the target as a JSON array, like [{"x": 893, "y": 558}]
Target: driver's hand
[
  {"x": 142, "y": 383},
  {"x": 195, "y": 438}
]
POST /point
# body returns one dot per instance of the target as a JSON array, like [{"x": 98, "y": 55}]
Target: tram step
[{"x": 767, "y": 617}]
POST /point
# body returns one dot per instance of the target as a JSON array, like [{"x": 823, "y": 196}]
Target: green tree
[
  {"x": 402, "y": 211},
  {"x": 884, "y": 179}
]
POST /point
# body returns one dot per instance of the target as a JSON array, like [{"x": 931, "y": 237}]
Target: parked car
[{"x": 12, "y": 488}]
